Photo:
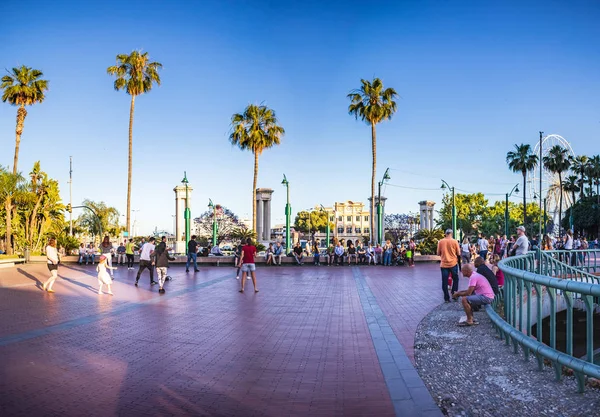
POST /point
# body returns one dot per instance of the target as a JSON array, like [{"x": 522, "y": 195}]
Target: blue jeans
[
  {"x": 191, "y": 256},
  {"x": 445, "y": 274},
  {"x": 387, "y": 257},
  {"x": 82, "y": 257},
  {"x": 483, "y": 254}
]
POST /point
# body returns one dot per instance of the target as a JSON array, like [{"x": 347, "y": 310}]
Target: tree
[
  {"x": 522, "y": 160},
  {"x": 315, "y": 221},
  {"x": 557, "y": 161},
  {"x": 255, "y": 130},
  {"x": 372, "y": 103},
  {"x": 10, "y": 186},
  {"x": 398, "y": 226},
  {"x": 470, "y": 211},
  {"x": 104, "y": 219},
  {"x": 136, "y": 75},
  {"x": 22, "y": 87},
  {"x": 579, "y": 166},
  {"x": 428, "y": 240},
  {"x": 227, "y": 224},
  {"x": 594, "y": 173}
]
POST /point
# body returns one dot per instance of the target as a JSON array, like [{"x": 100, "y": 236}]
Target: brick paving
[{"x": 318, "y": 341}]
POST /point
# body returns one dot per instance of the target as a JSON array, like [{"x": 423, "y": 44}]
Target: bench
[{"x": 10, "y": 262}]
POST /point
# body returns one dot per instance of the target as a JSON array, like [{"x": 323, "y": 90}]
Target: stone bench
[{"x": 10, "y": 262}]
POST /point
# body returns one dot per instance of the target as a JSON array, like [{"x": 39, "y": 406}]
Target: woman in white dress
[
  {"x": 53, "y": 261},
  {"x": 103, "y": 277}
]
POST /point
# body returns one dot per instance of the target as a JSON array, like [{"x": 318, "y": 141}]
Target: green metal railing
[
  {"x": 552, "y": 264},
  {"x": 586, "y": 260},
  {"x": 521, "y": 286}
]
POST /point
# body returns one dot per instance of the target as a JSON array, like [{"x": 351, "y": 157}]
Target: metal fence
[
  {"x": 585, "y": 260},
  {"x": 558, "y": 285}
]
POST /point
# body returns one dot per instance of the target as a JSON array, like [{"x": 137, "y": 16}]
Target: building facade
[{"x": 351, "y": 221}]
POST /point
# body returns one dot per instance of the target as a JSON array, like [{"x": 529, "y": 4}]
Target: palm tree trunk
[
  {"x": 560, "y": 199},
  {"x": 373, "y": 171},
  {"x": 524, "y": 199},
  {"x": 8, "y": 240},
  {"x": 254, "y": 192},
  {"x": 129, "y": 164},
  {"x": 21, "y": 114}
]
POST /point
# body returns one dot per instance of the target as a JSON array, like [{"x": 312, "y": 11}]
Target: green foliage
[
  {"x": 67, "y": 241},
  {"x": 586, "y": 216},
  {"x": 372, "y": 103},
  {"x": 103, "y": 220},
  {"x": 315, "y": 220},
  {"x": 134, "y": 73},
  {"x": 428, "y": 240},
  {"x": 470, "y": 212},
  {"x": 23, "y": 86}
]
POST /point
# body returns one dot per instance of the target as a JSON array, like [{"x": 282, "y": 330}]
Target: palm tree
[
  {"x": 22, "y": 87},
  {"x": 580, "y": 166},
  {"x": 595, "y": 173},
  {"x": 10, "y": 186},
  {"x": 557, "y": 161},
  {"x": 522, "y": 160},
  {"x": 136, "y": 75},
  {"x": 256, "y": 129},
  {"x": 571, "y": 185},
  {"x": 372, "y": 103}
]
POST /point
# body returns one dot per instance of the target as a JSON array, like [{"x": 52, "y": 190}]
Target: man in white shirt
[
  {"x": 146, "y": 261},
  {"x": 483, "y": 245},
  {"x": 521, "y": 246}
]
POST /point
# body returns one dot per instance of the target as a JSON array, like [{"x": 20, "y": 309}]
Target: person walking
[
  {"x": 103, "y": 277},
  {"x": 465, "y": 251},
  {"x": 53, "y": 259},
  {"x": 106, "y": 248},
  {"x": 161, "y": 260},
  {"x": 146, "y": 261},
  {"x": 448, "y": 251},
  {"x": 247, "y": 263},
  {"x": 521, "y": 246},
  {"x": 482, "y": 246},
  {"x": 192, "y": 254},
  {"x": 129, "y": 248}
]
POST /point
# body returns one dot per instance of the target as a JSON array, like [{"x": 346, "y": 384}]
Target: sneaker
[
  {"x": 153, "y": 283},
  {"x": 100, "y": 292},
  {"x": 110, "y": 292},
  {"x": 187, "y": 270},
  {"x": 196, "y": 270},
  {"x": 248, "y": 277},
  {"x": 136, "y": 282},
  {"x": 237, "y": 277}
]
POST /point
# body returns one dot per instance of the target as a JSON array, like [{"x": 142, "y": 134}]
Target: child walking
[{"x": 103, "y": 276}]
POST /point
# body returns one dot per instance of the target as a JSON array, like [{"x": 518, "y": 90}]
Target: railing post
[
  {"x": 538, "y": 291},
  {"x": 589, "y": 328}
]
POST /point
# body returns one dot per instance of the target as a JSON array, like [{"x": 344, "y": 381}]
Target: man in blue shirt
[{"x": 277, "y": 254}]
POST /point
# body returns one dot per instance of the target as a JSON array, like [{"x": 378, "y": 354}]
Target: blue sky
[{"x": 474, "y": 79}]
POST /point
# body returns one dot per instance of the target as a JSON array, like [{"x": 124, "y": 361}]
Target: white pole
[{"x": 71, "y": 195}]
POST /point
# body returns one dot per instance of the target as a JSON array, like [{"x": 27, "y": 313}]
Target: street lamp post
[
  {"x": 328, "y": 228},
  {"x": 186, "y": 213},
  {"x": 288, "y": 213},
  {"x": 541, "y": 167},
  {"x": 545, "y": 218},
  {"x": 444, "y": 186},
  {"x": 215, "y": 226},
  {"x": 386, "y": 176},
  {"x": 515, "y": 189}
]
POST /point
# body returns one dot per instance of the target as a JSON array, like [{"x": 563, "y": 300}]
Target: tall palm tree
[
  {"x": 256, "y": 129},
  {"x": 136, "y": 75},
  {"x": 595, "y": 173},
  {"x": 571, "y": 185},
  {"x": 557, "y": 161},
  {"x": 580, "y": 166},
  {"x": 10, "y": 186},
  {"x": 372, "y": 103},
  {"x": 522, "y": 160},
  {"x": 22, "y": 87}
]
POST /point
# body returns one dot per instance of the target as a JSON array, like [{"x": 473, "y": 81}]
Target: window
[
  {"x": 366, "y": 230},
  {"x": 348, "y": 218},
  {"x": 330, "y": 218},
  {"x": 349, "y": 229},
  {"x": 366, "y": 218},
  {"x": 357, "y": 230},
  {"x": 340, "y": 230},
  {"x": 358, "y": 218},
  {"x": 340, "y": 218}
]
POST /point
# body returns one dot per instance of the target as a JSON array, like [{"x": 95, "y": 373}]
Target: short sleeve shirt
[
  {"x": 249, "y": 252},
  {"x": 481, "y": 284},
  {"x": 146, "y": 250},
  {"x": 522, "y": 245},
  {"x": 483, "y": 244}
]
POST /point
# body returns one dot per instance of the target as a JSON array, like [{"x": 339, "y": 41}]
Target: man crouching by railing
[{"x": 478, "y": 294}]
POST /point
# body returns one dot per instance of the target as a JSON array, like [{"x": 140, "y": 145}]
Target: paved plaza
[{"x": 318, "y": 341}]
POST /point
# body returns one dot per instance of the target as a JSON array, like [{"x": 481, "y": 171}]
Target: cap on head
[
  {"x": 448, "y": 232},
  {"x": 521, "y": 228}
]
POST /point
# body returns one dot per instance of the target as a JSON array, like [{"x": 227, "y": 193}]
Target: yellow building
[{"x": 351, "y": 221}]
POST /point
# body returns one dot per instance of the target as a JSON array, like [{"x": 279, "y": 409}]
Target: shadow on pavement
[{"x": 38, "y": 283}]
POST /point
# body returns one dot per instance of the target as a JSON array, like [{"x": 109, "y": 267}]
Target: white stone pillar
[
  {"x": 267, "y": 221},
  {"x": 259, "y": 218}
]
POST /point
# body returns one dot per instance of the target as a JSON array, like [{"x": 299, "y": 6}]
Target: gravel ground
[{"x": 471, "y": 372}]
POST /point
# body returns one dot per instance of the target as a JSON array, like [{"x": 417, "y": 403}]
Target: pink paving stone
[{"x": 299, "y": 347}]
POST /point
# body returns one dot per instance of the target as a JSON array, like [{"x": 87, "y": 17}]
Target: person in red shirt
[{"x": 247, "y": 263}]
